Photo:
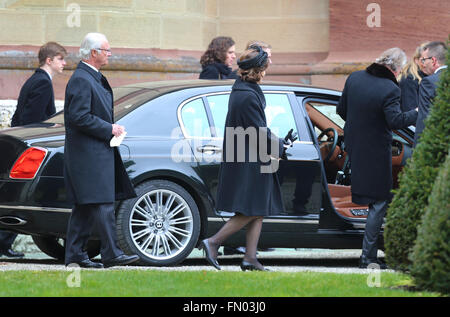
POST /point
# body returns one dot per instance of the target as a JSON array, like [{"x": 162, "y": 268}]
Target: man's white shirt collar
[
  {"x": 442, "y": 67},
  {"x": 91, "y": 66}
]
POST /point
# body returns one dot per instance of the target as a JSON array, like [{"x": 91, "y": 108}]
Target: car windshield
[
  {"x": 125, "y": 100},
  {"x": 329, "y": 111}
]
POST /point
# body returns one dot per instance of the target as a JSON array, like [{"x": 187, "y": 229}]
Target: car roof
[
  {"x": 173, "y": 85},
  {"x": 129, "y": 97}
]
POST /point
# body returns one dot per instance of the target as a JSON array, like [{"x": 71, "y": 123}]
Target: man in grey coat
[
  {"x": 370, "y": 106},
  {"x": 93, "y": 171},
  {"x": 433, "y": 59}
]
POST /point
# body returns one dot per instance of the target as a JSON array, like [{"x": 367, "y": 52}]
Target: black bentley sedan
[{"x": 172, "y": 154}]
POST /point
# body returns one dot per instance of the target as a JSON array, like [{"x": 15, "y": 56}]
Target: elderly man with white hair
[
  {"x": 370, "y": 106},
  {"x": 93, "y": 171}
]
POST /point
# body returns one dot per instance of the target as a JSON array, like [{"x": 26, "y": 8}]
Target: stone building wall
[
  {"x": 168, "y": 24},
  {"x": 316, "y": 42}
]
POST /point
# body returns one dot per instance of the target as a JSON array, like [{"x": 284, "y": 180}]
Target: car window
[
  {"x": 328, "y": 110},
  {"x": 278, "y": 113},
  {"x": 128, "y": 99},
  {"x": 195, "y": 119},
  {"x": 218, "y": 104}
]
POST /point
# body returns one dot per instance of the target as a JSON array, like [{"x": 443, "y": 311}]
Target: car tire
[
  {"x": 161, "y": 225},
  {"x": 55, "y": 247}
]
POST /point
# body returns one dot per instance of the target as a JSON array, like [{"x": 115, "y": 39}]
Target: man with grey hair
[
  {"x": 433, "y": 60},
  {"x": 370, "y": 106},
  {"x": 93, "y": 171}
]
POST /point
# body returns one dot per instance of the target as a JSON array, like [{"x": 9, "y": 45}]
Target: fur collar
[{"x": 379, "y": 70}]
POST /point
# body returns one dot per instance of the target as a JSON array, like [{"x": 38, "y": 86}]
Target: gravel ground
[{"x": 280, "y": 260}]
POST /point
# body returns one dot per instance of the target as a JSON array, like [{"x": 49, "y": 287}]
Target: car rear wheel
[
  {"x": 55, "y": 247},
  {"x": 161, "y": 225}
]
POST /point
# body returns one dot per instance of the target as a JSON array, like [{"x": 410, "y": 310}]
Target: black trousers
[
  {"x": 83, "y": 220},
  {"x": 377, "y": 211},
  {"x": 6, "y": 239}
]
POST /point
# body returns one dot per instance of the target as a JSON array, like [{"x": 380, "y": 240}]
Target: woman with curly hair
[{"x": 217, "y": 60}]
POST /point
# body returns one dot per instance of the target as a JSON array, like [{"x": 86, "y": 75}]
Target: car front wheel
[{"x": 161, "y": 225}]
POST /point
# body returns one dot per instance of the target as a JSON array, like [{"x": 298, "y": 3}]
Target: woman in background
[
  {"x": 409, "y": 80},
  {"x": 217, "y": 60}
]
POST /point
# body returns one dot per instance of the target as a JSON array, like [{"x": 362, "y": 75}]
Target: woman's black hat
[{"x": 257, "y": 61}]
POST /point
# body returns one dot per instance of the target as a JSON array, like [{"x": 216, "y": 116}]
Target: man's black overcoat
[
  {"x": 36, "y": 102},
  {"x": 243, "y": 187},
  {"x": 93, "y": 171},
  {"x": 370, "y": 106}
]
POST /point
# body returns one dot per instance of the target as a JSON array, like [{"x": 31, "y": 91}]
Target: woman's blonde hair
[
  {"x": 254, "y": 74},
  {"x": 412, "y": 68}
]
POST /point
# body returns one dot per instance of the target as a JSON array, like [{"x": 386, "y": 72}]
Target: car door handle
[{"x": 209, "y": 148}]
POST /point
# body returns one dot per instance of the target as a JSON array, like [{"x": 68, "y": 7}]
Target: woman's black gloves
[
  {"x": 290, "y": 137},
  {"x": 288, "y": 140}
]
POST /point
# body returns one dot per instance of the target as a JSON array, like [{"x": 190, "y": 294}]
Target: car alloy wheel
[{"x": 162, "y": 225}]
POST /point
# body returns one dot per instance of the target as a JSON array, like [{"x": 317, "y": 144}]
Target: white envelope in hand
[{"x": 117, "y": 140}]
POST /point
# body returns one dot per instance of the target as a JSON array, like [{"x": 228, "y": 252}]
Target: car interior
[
  {"x": 302, "y": 182},
  {"x": 329, "y": 130}
]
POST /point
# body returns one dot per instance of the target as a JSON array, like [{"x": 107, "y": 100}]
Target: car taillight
[{"x": 27, "y": 165}]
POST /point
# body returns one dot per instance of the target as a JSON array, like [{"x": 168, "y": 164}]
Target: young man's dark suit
[
  {"x": 36, "y": 101},
  {"x": 93, "y": 171},
  {"x": 370, "y": 106},
  {"x": 427, "y": 92}
]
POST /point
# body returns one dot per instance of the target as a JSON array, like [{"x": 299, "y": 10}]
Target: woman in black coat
[
  {"x": 409, "y": 81},
  {"x": 248, "y": 184},
  {"x": 217, "y": 60}
]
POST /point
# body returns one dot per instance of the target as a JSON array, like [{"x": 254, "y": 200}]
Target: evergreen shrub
[
  {"x": 417, "y": 178},
  {"x": 431, "y": 253}
]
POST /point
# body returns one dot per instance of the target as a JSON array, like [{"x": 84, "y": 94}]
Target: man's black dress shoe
[
  {"x": 86, "y": 264},
  {"x": 205, "y": 246},
  {"x": 376, "y": 264},
  {"x": 10, "y": 253},
  {"x": 121, "y": 260}
]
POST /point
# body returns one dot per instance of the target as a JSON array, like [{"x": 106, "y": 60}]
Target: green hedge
[
  {"x": 431, "y": 253},
  {"x": 417, "y": 179}
]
